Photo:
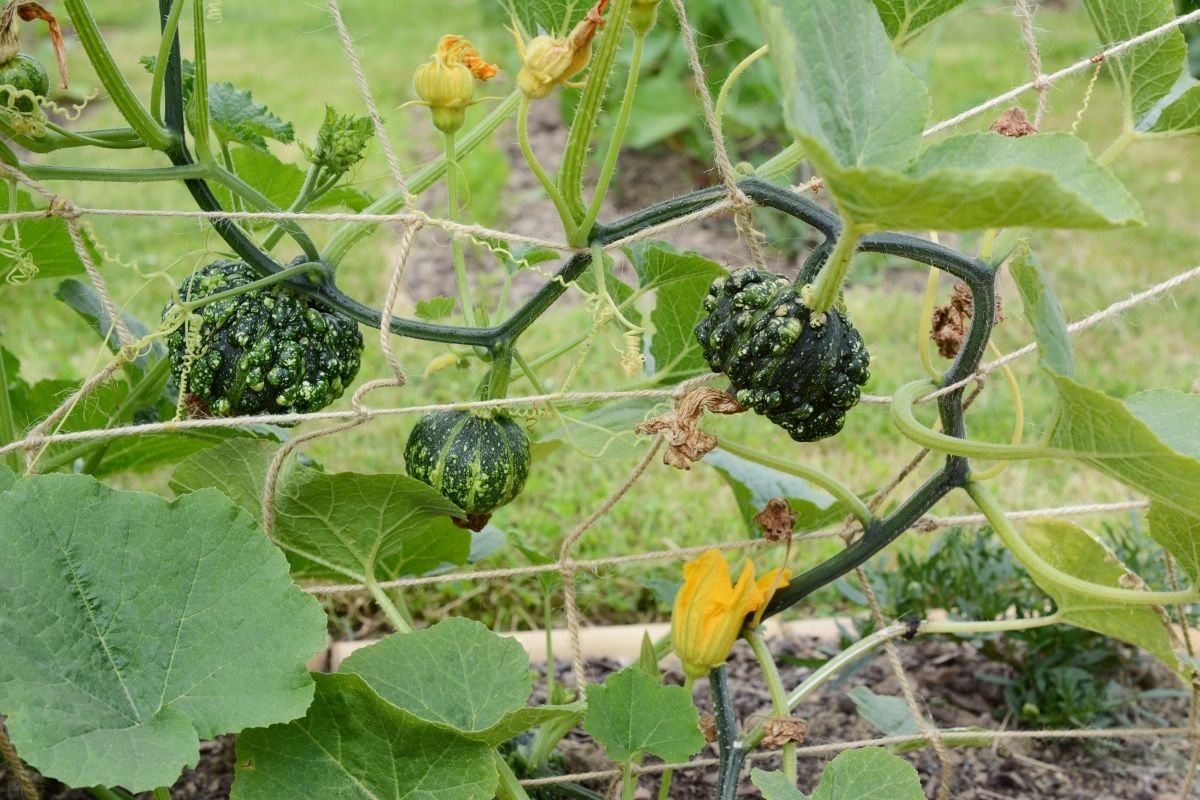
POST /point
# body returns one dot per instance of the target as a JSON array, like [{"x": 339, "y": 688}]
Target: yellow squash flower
[
  {"x": 446, "y": 83},
  {"x": 549, "y": 61},
  {"x": 710, "y": 609}
]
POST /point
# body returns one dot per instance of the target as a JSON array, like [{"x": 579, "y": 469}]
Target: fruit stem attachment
[
  {"x": 583, "y": 230},
  {"x": 779, "y": 700},
  {"x": 1050, "y": 574},
  {"x": 453, "y": 175},
  {"x": 822, "y": 294}
]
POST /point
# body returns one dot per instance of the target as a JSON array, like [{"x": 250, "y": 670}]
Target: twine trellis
[{"x": 410, "y": 222}]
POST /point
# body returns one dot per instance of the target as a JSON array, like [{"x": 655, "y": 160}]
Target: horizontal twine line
[
  {"x": 949, "y": 736},
  {"x": 926, "y": 523}
]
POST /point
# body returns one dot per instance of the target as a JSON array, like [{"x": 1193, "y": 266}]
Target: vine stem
[
  {"x": 509, "y": 787},
  {"x": 731, "y": 79},
  {"x": 200, "y": 90},
  {"x": 823, "y": 292},
  {"x": 614, "y": 146},
  {"x": 350, "y": 233},
  {"x": 119, "y": 90},
  {"x": 385, "y": 604},
  {"x": 43, "y": 172},
  {"x": 8, "y": 423},
  {"x": 1048, "y": 573},
  {"x": 564, "y": 213},
  {"x": 570, "y": 175},
  {"x": 456, "y": 245},
  {"x": 261, "y": 283},
  {"x": 827, "y": 482},
  {"x": 779, "y": 700},
  {"x": 308, "y": 191},
  {"x": 926, "y": 325},
  {"x": 169, "y": 28},
  {"x": 628, "y": 781},
  {"x": 907, "y": 423}
]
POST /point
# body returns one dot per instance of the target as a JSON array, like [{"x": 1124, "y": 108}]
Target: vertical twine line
[
  {"x": 407, "y": 237},
  {"x": 743, "y": 217},
  {"x": 1025, "y": 16},
  {"x": 364, "y": 89},
  {"x": 568, "y": 569},
  {"x": 9, "y": 755}
]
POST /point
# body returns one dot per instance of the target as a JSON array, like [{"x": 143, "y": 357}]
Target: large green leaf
[
  {"x": 630, "y": 714},
  {"x": 1080, "y": 554},
  {"x": 350, "y": 525},
  {"x": 1179, "y": 535},
  {"x": 1145, "y": 72},
  {"x": 46, "y": 242},
  {"x": 981, "y": 180},
  {"x": 1182, "y": 115},
  {"x": 904, "y": 19},
  {"x": 869, "y": 773},
  {"x": 459, "y": 674},
  {"x": 847, "y": 96},
  {"x": 135, "y": 627},
  {"x": 1043, "y": 311},
  {"x": 1172, "y": 416},
  {"x": 753, "y": 485},
  {"x": 353, "y": 745},
  {"x": 1105, "y": 434},
  {"x": 680, "y": 282},
  {"x": 336, "y": 527}
]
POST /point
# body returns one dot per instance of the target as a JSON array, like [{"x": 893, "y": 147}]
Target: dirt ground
[{"x": 945, "y": 673}]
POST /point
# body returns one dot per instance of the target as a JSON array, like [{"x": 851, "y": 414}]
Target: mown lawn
[{"x": 288, "y": 54}]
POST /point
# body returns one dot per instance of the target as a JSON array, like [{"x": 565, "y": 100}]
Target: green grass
[{"x": 288, "y": 54}]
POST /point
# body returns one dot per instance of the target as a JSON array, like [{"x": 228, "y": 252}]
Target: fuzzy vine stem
[
  {"x": 385, "y": 604},
  {"x": 609, "y": 168},
  {"x": 731, "y": 750},
  {"x": 570, "y": 174},
  {"x": 509, "y": 787},
  {"x": 345, "y": 237},
  {"x": 1048, "y": 573},
  {"x": 839, "y": 490},
  {"x": 453, "y": 175},
  {"x": 201, "y": 135},
  {"x": 564, "y": 212},
  {"x": 119, "y": 90},
  {"x": 779, "y": 700}
]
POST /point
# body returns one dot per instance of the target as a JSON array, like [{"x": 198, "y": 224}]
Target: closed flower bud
[
  {"x": 545, "y": 63},
  {"x": 642, "y": 15},
  {"x": 447, "y": 89}
]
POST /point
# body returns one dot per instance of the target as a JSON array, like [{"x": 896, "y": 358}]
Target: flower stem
[
  {"x": 568, "y": 220},
  {"x": 664, "y": 786},
  {"x": 1048, "y": 573},
  {"x": 456, "y": 246},
  {"x": 200, "y": 90},
  {"x": 614, "y": 146},
  {"x": 570, "y": 177},
  {"x": 351, "y": 233},
  {"x": 853, "y": 503},
  {"x": 824, "y": 291},
  {"x": 779, "y": 699}
]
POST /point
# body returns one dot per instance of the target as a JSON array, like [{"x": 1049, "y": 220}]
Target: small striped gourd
[{"x": 478, "y": 463}]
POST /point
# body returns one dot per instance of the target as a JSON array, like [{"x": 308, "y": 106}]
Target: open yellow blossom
[{"x": 710, "y": 609}]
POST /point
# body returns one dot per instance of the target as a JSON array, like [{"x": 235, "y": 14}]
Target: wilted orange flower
[
  {"x": 457, "y": 50},
  {"x": 549, "y": 61},
  {"x": 710, "y": 609}
]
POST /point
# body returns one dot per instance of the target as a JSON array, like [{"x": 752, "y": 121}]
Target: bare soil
[{"x": 946, "y": 674}]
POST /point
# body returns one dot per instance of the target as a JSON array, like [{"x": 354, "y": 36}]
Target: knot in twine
[
  {"x": 686, "y": 443},
  {"x": 63, "y": 208}
]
